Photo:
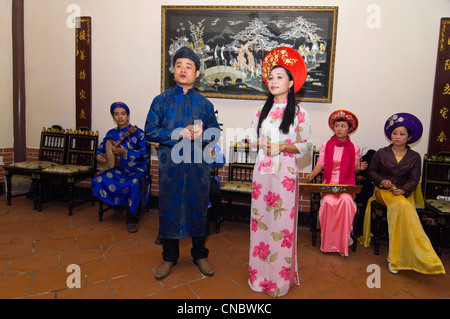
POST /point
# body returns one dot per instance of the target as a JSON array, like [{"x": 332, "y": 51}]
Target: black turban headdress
[{"x": 187, "y": 53}]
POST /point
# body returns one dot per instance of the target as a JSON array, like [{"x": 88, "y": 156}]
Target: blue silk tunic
[
  {"x": 184, "y": 173},
  {"x": 127, "y": 184}
]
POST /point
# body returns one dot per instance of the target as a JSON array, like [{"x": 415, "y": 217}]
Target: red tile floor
[{"x": 37, "y": 247}]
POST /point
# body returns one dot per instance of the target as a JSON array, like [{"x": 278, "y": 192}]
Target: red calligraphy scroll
[
  {"x": 440, "y": 112},
  {"x": 83, "y": 76}
]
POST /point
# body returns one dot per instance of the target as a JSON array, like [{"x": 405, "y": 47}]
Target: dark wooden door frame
[{"x": 18, "y": 56}]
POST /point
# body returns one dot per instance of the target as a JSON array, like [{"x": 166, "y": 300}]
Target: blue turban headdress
[
  {"x": 186, "y": 53},
  {"x": 119, "y": 104}
]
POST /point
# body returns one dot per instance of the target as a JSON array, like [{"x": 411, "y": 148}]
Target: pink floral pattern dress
[{"x": 273, "y": 233}]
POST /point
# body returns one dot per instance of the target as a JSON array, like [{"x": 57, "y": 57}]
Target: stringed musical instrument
[
  {"x": 329, "y": 188},
  {"x": 113, "y": 160}
]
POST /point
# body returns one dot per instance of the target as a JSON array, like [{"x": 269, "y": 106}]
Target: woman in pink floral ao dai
[{"x": 282, "y": 134}]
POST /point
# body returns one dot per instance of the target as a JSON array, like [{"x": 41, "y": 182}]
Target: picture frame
[{"x": 231, "y": 42}]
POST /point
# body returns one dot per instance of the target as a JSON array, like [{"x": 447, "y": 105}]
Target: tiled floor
[{"x": 36, "y": 248}]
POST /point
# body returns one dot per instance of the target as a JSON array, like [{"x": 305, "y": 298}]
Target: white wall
[
  {"x": 378, "y": 71},
  {"x": 6, "y": 101}
]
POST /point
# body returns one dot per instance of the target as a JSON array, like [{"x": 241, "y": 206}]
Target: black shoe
[
  {"x": 116, "y": 214},
  {"x": 132, "y": 228}
]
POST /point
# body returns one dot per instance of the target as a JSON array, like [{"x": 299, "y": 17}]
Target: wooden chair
[
  {"x": 215, "y": 199},
  {"x": 315, "y": 198},
  {"x": 379, "y": 215},
  {"x": 52, "y": 152},
  {"x": 80, "y": 164},
  {"x": 240, "y": 172}
]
